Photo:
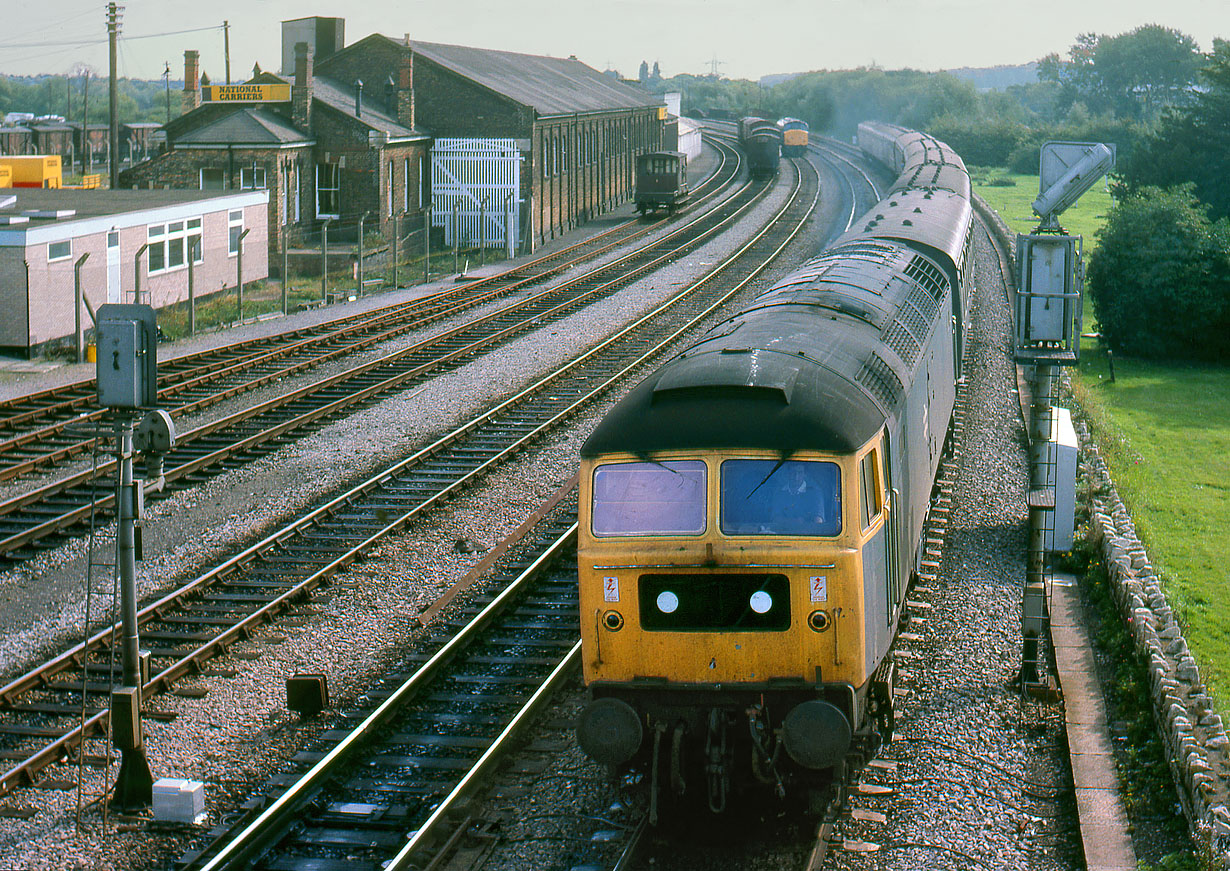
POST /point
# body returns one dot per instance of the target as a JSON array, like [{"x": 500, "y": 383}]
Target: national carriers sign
[{"x": 264, "y": 93}]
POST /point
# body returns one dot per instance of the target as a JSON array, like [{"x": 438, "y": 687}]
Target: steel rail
[
  {"x": 234, "y": 359},
  {"x": 252, "y": 840},
  {"x": 71, "y": 517},
  {"x": 190, "y": 662},
  {"x": 243, "y": 847}
]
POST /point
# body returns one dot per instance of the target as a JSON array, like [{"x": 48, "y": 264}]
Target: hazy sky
[{"x": 749, "y": 38}]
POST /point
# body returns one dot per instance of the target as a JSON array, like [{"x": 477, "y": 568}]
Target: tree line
[
  {"x": 1159, "y": 277},
  {"x": 139, "y": 99}
]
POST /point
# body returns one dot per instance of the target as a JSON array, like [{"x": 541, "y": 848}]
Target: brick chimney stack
[
  {"x": 405, "y": 87},
  {"x": 301, "y": 92},
  {"x": 192, "y": 80}
]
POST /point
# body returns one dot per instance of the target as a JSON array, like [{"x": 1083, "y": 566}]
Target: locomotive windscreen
[
  {"x": 780, "y": 497},
  {"x": 650, "y": 498}
]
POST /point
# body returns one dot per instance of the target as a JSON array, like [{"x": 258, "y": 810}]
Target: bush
[{"x": 1160, "y": 278}]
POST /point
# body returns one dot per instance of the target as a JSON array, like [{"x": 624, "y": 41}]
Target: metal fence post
[
  {"x": 359, "y": 270},
  {"x": 396, "y": 231},
  {"x": 78, "y": 296},
  {"x": 456, "y": 238},
  {"x": 192, "y": 287},
  {"x": 239, "y": 271},
  {"x": 136, "y": 274},
  {"x": 510, "y": 241},
  {"x": 285, "y": 271},
  {"x": 324, "y": 262},
  {"x": 482, "y": 232},
  {"x": 427, "y": 244}
]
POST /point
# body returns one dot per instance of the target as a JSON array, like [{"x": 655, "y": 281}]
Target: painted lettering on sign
[
  {"x": 262, "y": 93},
  {"x": 610, "y": 589},
  {"x": 820, "y": 588}
]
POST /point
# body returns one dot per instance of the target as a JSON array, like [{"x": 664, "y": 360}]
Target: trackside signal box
[{"x": 127, "y": 366}]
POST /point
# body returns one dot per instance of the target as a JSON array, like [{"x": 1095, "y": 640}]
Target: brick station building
[{"x": 355, "y": 136}]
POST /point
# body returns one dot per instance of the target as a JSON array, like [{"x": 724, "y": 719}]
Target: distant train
[
  {"x": 794, "y": 137},
  {"x": 761, "y": 141},
  {"x": 661, "y": 181},
  {"x": 752, "y": 513}
]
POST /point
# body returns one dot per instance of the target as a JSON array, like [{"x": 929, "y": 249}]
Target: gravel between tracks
[
  {"x": 239, "y": 732},
  {"x": 982, "y": 778}
]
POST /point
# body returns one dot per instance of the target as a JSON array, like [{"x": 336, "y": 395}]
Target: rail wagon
[
  {"x": 752, "y": 513},
  {"x": 762, "y": 142}
]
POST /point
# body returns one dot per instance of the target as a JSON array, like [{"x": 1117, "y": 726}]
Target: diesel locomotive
[
  {"x": 761, "y": 141},
  {"x": 794, "y": 137},
  {"x": 751, "y": 513}
]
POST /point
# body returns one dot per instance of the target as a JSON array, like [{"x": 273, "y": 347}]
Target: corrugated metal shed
[{"x": 550, "y": 86}]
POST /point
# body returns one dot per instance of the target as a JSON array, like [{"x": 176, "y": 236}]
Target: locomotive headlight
[
  {"x": 613, "y": 620},
  {"x": 667, "y": 602},
  {"x": 761, "y": 602},
  {"x": 819, "y": 620}
]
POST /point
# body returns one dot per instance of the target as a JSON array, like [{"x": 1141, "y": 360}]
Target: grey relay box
[{"x": 127, "y": 347}]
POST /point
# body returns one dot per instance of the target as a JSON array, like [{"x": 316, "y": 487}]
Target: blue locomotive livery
[{"x": 751, "y": 513}]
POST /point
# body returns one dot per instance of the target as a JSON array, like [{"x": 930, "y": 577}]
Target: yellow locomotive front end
[{"x": 724, "y": 598}]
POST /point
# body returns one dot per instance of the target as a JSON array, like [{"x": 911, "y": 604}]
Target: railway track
[
  {"x": 48, "y": 712},
  {"x": 35, "y": 519},
  {"x": 46, "y": 428}
]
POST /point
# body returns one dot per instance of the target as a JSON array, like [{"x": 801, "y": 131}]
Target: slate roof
[
  {"x": 550, "y": 86},
  {"x": 248, "y": 126},
  {"x": 337, "y": 96}
]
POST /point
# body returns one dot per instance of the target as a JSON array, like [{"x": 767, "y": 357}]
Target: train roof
[
  {"x": 933, "y": 219},
  {"x": 818, "y": 362}
]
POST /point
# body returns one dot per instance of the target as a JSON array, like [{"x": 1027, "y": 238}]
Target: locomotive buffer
[{"x": 1047, "y": 329}]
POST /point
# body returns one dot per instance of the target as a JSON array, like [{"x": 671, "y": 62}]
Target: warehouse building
[
  {"x": 493, "y": 142},
  {"x": 130, "y": 240}
]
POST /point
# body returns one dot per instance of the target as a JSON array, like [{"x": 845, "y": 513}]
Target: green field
[{"x": 1164, "y": 429}]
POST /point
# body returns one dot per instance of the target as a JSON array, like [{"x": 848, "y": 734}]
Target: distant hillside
[{"x": 998, "y": 78}]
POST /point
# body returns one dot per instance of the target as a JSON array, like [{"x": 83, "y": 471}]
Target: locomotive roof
[{"x": 804, "y": 367}]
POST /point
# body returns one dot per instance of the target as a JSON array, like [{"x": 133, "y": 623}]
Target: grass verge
[{"x": 1164, "y": 429}]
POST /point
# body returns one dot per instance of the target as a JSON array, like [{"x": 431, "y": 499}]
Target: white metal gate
[{"x": 475, "y": 191}]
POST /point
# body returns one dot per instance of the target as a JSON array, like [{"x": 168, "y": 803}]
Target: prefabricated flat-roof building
[{"x": 45, "y": 233}]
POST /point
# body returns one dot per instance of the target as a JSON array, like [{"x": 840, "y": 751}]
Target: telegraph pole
[
  {"x": 113, "y": 146},
  {"x": 226, "y": 48},
  {"x": 166, "y": 74}
]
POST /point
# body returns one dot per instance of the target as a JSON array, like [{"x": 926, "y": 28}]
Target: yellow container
[
  {"x": 91, "y": 353},
  {"x": 33, "y": 170}
]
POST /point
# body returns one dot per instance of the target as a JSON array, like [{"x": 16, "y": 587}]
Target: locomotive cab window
[
  {"x": 666, "y": 498},
  {"x": 869, "y": 480},
  {"x": 780, "y": 497}
]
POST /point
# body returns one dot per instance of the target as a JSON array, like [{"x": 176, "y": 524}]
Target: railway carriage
[
  {"x": 751, "y": 514},
  {"x": 661, "y": 181}
]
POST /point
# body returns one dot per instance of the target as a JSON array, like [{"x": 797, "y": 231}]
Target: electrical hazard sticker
[
  {"x": 610, "y": 589},
  {"x": 820, "y": 588}
]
